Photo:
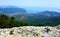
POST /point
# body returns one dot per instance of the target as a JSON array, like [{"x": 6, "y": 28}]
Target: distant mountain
[
  {"x": 38, "y": 17},
  {"x": 49, "y": 13},
  {"x": 12, "y": 10}
]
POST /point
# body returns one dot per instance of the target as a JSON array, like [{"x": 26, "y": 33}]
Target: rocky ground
[{"x": 31, "y": 31}]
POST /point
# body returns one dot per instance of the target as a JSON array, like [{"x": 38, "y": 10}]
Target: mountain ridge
[{"x": 12, "y": 10}]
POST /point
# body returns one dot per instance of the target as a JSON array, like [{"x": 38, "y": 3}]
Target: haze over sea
[{"x": 33, "y": 5}]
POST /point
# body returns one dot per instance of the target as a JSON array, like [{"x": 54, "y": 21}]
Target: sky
[{"x": 33, "y": 5}]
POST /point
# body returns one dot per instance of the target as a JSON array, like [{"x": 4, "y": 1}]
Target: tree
[
  {"x": 12, "y": 19},
  {"x": 4, "y": 20}
]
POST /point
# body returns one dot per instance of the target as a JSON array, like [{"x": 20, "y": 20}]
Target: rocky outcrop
[{"x": 30, "y": 31}]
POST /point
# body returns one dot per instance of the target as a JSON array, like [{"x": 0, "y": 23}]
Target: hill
[
  {"x": 12, "y": 10},
  {"x": 38, "y": 18},
  {"x": 43, "y": 18}
]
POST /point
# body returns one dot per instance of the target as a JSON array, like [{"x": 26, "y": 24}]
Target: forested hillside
[{"x": 10, "y": 21}]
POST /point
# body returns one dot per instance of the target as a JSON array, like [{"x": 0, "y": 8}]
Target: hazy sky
[{"x": 33, "y": 4}]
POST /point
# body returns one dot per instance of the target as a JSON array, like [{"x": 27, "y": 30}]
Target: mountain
[
  {"x": 38, "y": 17},
  {"x": 12, "y": 10},
  {"x": 43, "y": 18},
  {"x": 49, "y": 13}
]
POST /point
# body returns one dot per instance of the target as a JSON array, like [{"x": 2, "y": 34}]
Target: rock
[
  {"x": 11, "y": 32},
  {"x": 47, "y": 29},
  {"x": 30, "y": 31},
  {"x": 58, "y": 27}
]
